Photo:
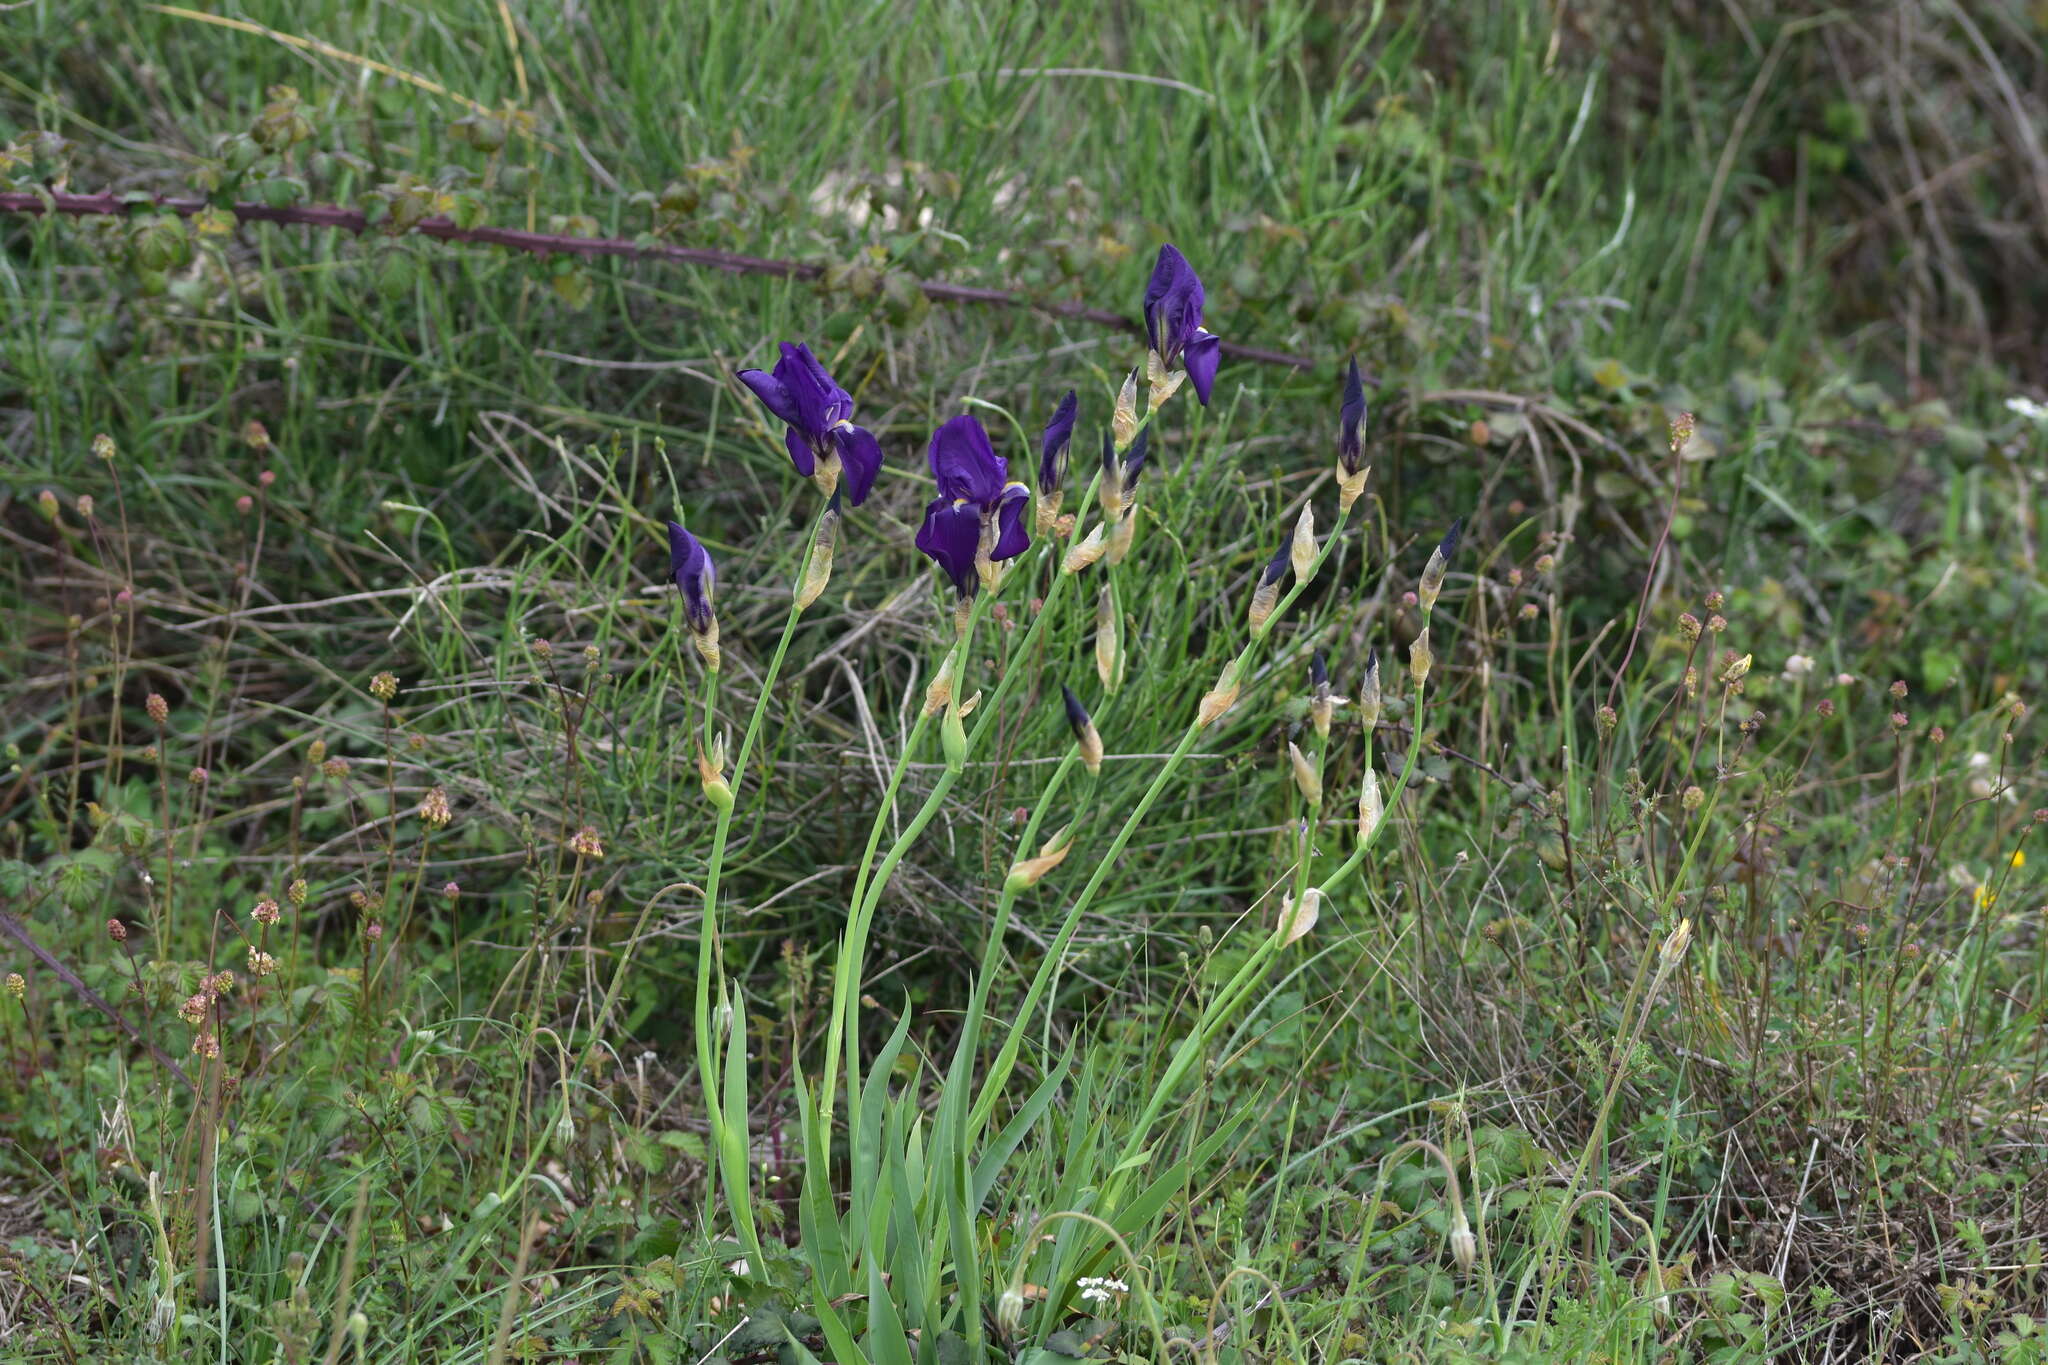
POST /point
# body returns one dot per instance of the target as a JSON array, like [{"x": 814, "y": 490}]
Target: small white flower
[
  {"x": 1796, "y": 668},
  {"x": 2028, "y": 408},
  {"x": 1100, "y": 1288}
]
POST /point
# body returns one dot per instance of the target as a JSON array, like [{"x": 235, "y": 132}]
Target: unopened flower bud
[
  {"x": 1432, "y": 580},
  {"x": 1899, "y": 720},
  {"x": 711, "y": 773},
  {"x": 1689, "y": 626},
  {"x": 1301, "y": 552},
  {"x": 1322, "y": 704},
  {"x": 1369, "y": 693},
  {"x": 159, "y": 710},
  {"x": 1085, "y": 551},
  {"x": 245, "y": 504},
  {"x": 1298, "y": 917},
  {"x": 1123, "y": 419},
  {"x": 197, "y": 777},
  {"x": 1370, "y": 811},
  {"x": 1085, "y": 734},
  {"x": 818, "y": 569},
  {"x": 1010, "y": 1310},
  {"x": 117, "y": 931},
  {"x": 384, "y": 686},
  {"x": 953, "y": 739},
  {"x": 1118, "y": 545},
  {"x": 1420, "y": 659},
  {"x": 1026, "y": 873},
  {"x": 297, "y": 891},
  {"x": 1692, "y": 798},
  {"x": 266, "y": 478},
  {"x": 335, "y": 768},
  {"x": 1716, "y": 600},
  {"x": 316, "y": 752},
  {"x": 16, "y": 986},
  {"x": 939, "y": 692},
  {"x": 1464, "y": 1246},
  {"x": 85, "y": 505},
  {"x": 103, "y": 446},
  {"x": 1608, "y": 719},
  {"x": 1306, "y": 779},
  {"x": 46, "y": 502},
  {"x": 1266, "y": 596},
  {"x": 1674, "y": 945},
  {"x": 255, "y": 435},
  {"x": 1109, "y": 661},
  {"x": 1219, "y": 698},
  {"x": 451, "y": 891}
]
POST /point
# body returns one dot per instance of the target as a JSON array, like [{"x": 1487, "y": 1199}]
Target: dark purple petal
[
  {"x": 1278, "y": 565},
  {"x": 1204, "y": 353},
  {"x": 951, "y": 535},
  {"x": 1134, "y": 460},
  {"x": 860, "y": 456},
  {"x": 1173, "y": 305},
  {"x": 1011, "y": 538},
  {"x": 1052, "y": 447},
  {"x": 1318, "y": 670},
  {"x": 690, "y": 565},
  {"x": 965, "y": 464},
  {"x": 820, "y": 404},
  {"x": 800, "y": 453},
  {"x": 1077, "y": 714},
  {"x": 1448, "y": 546},
  {"x": 1350, "y": 448},
  {"x": 772, "y": 393}
]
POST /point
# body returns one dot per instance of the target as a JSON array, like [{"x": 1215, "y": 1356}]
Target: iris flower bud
[
  {"x": 1301, "y": 553},
  {"x": 1109, "y": 646},
  {"x": 711, "y": 773},
  {"x": 690, "y": 566},
  {"x": 1369, "y": 693},
  {"x": 1369, "y": 808},
  {"x": 1439, "y": 561},
  {"x": 1123, "y": 420},
  {"x": 1266, "y": 597},
  {"x": 1351, "y": 469},
  {"x": 953, "y": 739},
  {"x": 1306, "y": 779},
  {"x": 818, "y": 571},
  {"x": 1321, "y": 704},
  {"x": 1420, "y": 660},
  {"x": 1026, "y": 873},
  {"x": 1085, "y": 734},
  {"x": 1219, "y": 698},
  {"x": 1298, "y": 917},
  {"x": 1085, "y": 551}
]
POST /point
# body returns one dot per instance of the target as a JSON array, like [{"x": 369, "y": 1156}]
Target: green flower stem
[{"x": 728, "y": 1131}]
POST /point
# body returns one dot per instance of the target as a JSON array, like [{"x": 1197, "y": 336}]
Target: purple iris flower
[
  {"x": 1350, "y": 448},
  {"x": 1052, "y": 447},
  {"x": 1173, "y": 321},
  {"x": 819, "y": 415},
  {"x": 978, "y": 517},
  {"x": 690, "y": 564}
]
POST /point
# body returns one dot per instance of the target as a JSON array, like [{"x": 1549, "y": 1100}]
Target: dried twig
[{"x": 559, "y": 244}]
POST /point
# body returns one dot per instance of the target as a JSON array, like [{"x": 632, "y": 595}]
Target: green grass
[{"x": 544, "y": 1115}]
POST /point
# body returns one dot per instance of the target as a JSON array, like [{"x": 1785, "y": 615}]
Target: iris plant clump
[{"x": 978, "y": 527}]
